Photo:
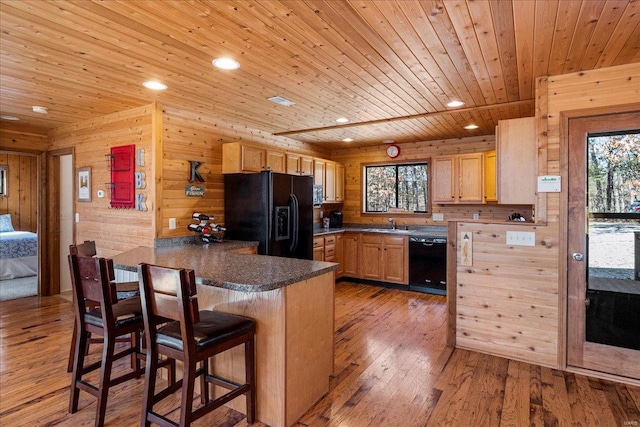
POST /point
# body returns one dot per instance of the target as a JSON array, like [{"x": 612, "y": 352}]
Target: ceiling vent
[{"x": 282, "y": 101}]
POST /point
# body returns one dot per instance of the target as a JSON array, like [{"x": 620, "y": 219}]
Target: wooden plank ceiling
[{"x": 390, "y": 67}]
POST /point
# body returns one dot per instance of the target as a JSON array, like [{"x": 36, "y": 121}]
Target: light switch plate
[
  {"x": 521, "y": 238},
  {"x": 172, "y": 223},
  {"x": 437, "y": 217}
]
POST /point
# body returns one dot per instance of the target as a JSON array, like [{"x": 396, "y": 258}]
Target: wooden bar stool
[
  {"x": 193, "y": 336},
  {"x": 98, "y": 311},
  {"x": 123, "y": 290}
]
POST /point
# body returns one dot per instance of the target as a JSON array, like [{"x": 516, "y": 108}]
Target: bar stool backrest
[
  {"x": 88, "y": 248},
  {"x": 169, "y": 294},
  {"x": 91, "y": 285}
]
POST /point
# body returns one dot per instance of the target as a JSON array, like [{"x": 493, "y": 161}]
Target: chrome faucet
[{"x": 393, "y": 223}]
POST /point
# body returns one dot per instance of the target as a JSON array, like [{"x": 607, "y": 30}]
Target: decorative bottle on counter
[
  {"x": 199, "y": 216},
  {"x": 197, "y": 228}
]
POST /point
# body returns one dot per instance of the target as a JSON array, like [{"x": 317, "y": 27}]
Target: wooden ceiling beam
[{"x": 411, "y": 117}]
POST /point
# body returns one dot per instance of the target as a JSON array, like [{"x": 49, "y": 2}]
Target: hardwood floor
[{"x": 392, "y": 369}]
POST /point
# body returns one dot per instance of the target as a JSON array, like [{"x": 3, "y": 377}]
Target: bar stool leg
[
  {"x": 105, "y": 379},
  {"x": 249, "y": 360},
  {"x": 189, "y": 380},
  {"x": 78, "y": 362}
]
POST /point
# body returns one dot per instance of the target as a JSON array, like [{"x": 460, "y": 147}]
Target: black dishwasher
[{"x": 428, "y": 265}]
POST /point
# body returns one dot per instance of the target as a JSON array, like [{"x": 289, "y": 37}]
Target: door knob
[{"x": 577, "y": 256}]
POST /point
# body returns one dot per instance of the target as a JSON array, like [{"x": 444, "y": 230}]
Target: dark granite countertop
[
  {"x": 423, "y": 231},
  {"x": 214, "y": 265}
]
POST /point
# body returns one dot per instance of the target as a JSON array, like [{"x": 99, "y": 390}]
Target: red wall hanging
[{"x": 122, "y": 176}]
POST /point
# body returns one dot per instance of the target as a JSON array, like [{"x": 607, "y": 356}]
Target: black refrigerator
[{"x": 273, "y": 208}]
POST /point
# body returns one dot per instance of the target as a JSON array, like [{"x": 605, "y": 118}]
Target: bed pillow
[{"x": 5, "y": 223}]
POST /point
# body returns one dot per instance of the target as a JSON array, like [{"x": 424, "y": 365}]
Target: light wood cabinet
[
  {"x": 458, "y": 178},
  {"x": 517, "y": 161},
  {"x": 490, "y": 184},
  {"x": 239, "y": 157},
  {"x": 443, "y": 179},
  {"x": 330, "y": 181},
  {"x": 339, "y": 255},
  {"x": 318, "y": 248},
  {"x": 395, "y": 257},
  {"x": 371, "y": 256},
  {"x": 298, "y": 164},
  {"x": 339, "y": 182},
  {"x": 384, "y": 258},
  {"x": 324, "y": 248},
  {"x": 330, "y": 248},
  {"x": 275, "y": 161},
  {"x": 350, "y": 249},
  {"x": 331, "y": 174},
  {"x": 318, "y": 171}
]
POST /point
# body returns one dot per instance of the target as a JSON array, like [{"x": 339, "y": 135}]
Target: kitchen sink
[{"x": 388, "y": 230}]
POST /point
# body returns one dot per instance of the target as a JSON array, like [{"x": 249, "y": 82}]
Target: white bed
[{"x": 18, "y": 251}]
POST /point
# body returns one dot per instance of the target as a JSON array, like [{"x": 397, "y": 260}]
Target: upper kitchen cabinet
[
  {"x": 490, "y": 184},
  {"x": 517, "y": 161},
  {"x": 458, "y": 178},
  {"x": 240, "y": 157},
  {"x": 330, "y": 175},
  {"x": 318, "y": 171},
  {"x": 298, "y": 164},
  {"x": 339, "y": 182}
]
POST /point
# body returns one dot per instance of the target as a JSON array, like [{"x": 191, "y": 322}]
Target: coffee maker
[{"x": 335, "y": 219}]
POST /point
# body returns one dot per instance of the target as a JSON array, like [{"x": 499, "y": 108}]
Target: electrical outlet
[
  {"x": 521, "y": 238},
  {"x": 437, "y": 217},
  {"x": 172, "y": 223}
]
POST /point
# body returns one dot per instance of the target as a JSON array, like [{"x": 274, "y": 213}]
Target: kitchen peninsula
[{"x": 292, "y": 302}]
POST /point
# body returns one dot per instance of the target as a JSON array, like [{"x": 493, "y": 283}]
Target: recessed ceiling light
[
  {"x": 154, "y": 85},
  {"x": 471, "y": 127},
  {"x": 388, "y": 141},
  {"x": 282, "y": 101},
  {"x": 342, "y": 120},
  {"x": 11, "y": 118},
  {"x": 347, "y": 140},
  {"x": 454, "y": 104},
  {"x": 40, "y": 110},
  {"x": 226, "y": 63}
]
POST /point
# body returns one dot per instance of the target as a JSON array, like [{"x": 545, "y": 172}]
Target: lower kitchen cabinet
[
  {"x": 339, "y": 255},
  {"x": 324, "y": 248},
  {"x": 384, "y": 258},
  {"x": 318, "y": 248},
  {"x": 371, "y": 256},
  {"x": 350, "y": 246},
  {"x": 395, "y": 259}
]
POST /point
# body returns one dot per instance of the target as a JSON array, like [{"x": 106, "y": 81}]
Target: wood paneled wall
[
  {"x": 114, "y": 230},
  {"x": 22, "y": 140},
  {"x": 354, "y": 159},
  {"x": 503, "y": 279},
  {"x": 197, "y": 136},
  {"x": 22, "y": 199}
]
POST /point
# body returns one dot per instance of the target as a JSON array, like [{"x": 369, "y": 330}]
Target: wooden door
[
  {"x": 306, "y": 165},
  {"x": 275, "y": 161},
  {"x": 339, "y": 255},
  {"x": 252, "y": 159},
  {"x": 395, "y": 259},
  {"x": 490, "y": 183},
  {"x": 330, "y": 181},
  {"x": 339, "y": 183},
  {"x": 370, "y": 257},
  {"x": 603, "y": 295},
  {"x": 443, "y": 180},
  {"x": 471, "y": 180},
  {"x": 350, "y": 244},
  {"x": 293, "y": 164}
]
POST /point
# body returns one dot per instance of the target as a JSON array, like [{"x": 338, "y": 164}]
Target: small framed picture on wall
[{"x": 84, "y": 184}]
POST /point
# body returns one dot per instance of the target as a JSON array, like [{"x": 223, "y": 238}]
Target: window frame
[{"x": 363, "y": 201}]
